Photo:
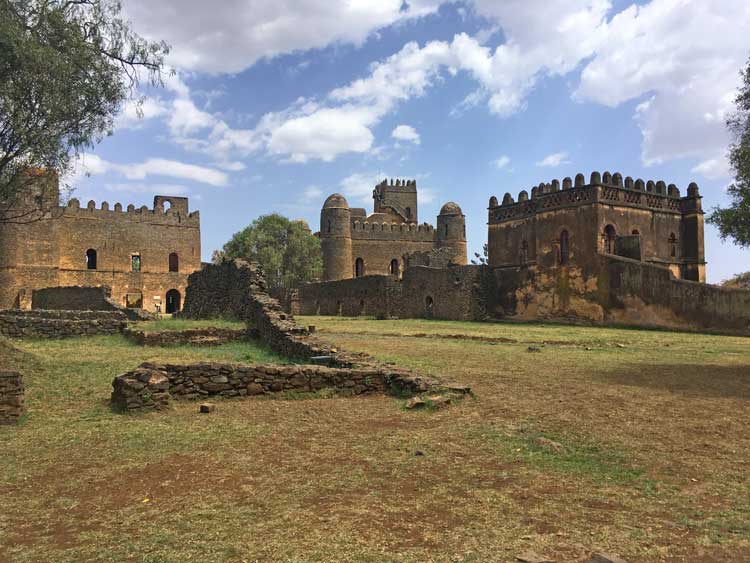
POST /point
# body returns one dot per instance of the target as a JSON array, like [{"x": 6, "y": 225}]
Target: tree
[
  {"x": 481, "y": 259},
  {"x": 287, "y": 250},
  {"x": 734, "y": 221},
  {"x": 741, "y": 281},
  {"x": 66, "y": 68}
]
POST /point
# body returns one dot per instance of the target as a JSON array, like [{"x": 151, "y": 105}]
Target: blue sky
[{"x": 273, "y": 106}]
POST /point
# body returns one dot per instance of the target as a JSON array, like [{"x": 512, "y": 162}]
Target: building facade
[
  {"x": 356, "y": 244},
  {"x": 570, "y": 224},
  {"x": 144, "y": 255}
]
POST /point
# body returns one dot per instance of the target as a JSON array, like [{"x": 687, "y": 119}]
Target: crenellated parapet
[
  {"x": 376, "y": 230},
  {"x": 166, "y": 211},
  {"x": 607, "y": 188}
]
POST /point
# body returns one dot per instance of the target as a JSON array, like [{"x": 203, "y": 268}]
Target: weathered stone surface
[
  {"x": 206, "y": 408},
  {"x": 15, "y": 323},
  {"x": 415, "y": 403},
  {"x": 439, "y": 401},
  {"x": 209, "y": 336}
]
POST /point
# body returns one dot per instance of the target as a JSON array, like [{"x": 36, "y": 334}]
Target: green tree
[
  {"x": 734, "y": 221},
  {"x": 287, "y": 250},
  {"x": 66, "y": 67}
]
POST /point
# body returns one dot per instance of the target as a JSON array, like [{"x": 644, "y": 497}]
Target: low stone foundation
[
  {"x": 15, "y": 323},
  {"x": 11, "y": 397},
  {"x": 193, "y": 337},
  {"x": 151, "y": 386}
]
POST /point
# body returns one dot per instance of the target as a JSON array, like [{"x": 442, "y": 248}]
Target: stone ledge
[
  {"x": 210, "y": 336},
  {"x": 59, "y": 324}
]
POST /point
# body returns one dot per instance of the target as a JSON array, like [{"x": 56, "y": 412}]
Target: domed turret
[
  {"x": 451, "y": 231},
  {"x": 336, "y": 238}
]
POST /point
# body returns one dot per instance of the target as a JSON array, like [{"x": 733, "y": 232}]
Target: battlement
[
  {"x": 392, "y": 231},
  {"x": 167, "y": 210},
  {"x": 610, "y": 189},
  {"x": 398, "y": 185}
]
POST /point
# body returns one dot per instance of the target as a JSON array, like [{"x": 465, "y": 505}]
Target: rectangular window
[{"x": 135, "y": 262}]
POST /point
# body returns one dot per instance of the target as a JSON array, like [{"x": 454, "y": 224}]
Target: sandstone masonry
[{"x": 15, "y": 323}]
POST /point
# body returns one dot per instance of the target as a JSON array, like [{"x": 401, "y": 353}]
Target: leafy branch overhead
[
  {"x": 66, "y": 68},
  {"x": 734, "y": 221}
]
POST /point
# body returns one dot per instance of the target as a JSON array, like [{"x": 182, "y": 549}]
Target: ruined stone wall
[
  {"x": 11, "y": 397},
  {"x": 73, "y": 299},
  {"x": 209, "y": 336},
  {"x": 376, "y": 296},
  {"x": 455, "y": 293},
  {"x": 152, "y": 385},
  {"x": 16, "y": 323},
  {"x": 618, "y": 290}
]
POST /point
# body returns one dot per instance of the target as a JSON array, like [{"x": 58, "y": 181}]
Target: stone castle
[
  {"x": 606, "y": 250},
  {"x": 570, "y": 224},
  {"x": 355, "y": 244},
  {"x": 143, "y": 255}
]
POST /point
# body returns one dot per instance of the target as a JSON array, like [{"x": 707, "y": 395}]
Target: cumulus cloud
[
  {"x": 406, "y": 133},
  {"x": 136, "y": 112},
  {"x": 141, "y": 188},
  {"x": 555, "y": 159},
  {"x": 502, "y": 162},
  {"x": 359, "y": 186},
  {"x": 92, "y": 165},
  {"x": 232, "y": 35}
]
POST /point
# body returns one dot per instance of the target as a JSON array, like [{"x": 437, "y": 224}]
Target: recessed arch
[
  {"x": 672, "y": 245},
  {"x": 429, "y": 305},
  {"x": 394, "y": 268},
  {"x": 173, "y": 302},
  {"x": 610, "y": 235},
  {"x": 359, "y": 267},
  {"x": 564, "y": 247},
  {"x": 174, "y": 262}
]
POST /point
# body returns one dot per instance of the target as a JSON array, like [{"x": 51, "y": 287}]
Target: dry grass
[{"x": 654, "y": 425}]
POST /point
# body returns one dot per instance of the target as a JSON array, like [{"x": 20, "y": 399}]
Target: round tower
[
  {"x": 336, "y": 238},
  {"x": 451, "y": 231}
]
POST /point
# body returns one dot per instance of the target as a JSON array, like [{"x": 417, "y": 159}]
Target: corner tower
[
  {"x": 451, "y": 231},
  {"x": 336, "y": 238}
]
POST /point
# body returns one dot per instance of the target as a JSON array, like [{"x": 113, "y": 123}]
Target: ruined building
[
  {"x": 144, "y": 255},
  {"x": 355, "y": 244},
  {"x": 570, "y": 224}
]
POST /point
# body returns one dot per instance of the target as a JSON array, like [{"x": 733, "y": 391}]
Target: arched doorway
[
  {"x": 609, "y": 239},
  {"x": 359, "y": 268},
  {"x": 173, "y": 301}
]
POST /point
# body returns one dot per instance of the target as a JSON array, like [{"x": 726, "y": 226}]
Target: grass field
[{"x": 654, "y": 426}]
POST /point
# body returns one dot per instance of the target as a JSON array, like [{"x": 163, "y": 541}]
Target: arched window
[
  {"x": 174, "y": 262},
  {"x": 394, "y": 267},
  {"x": 329, "y": 226},
  {"x": 564, "y": 248},
  {"x": 91, "y": 259},
  {"x": 359, "y": 268},
  {"x": 609, "y": 239},
  {"x": 173, "y": 301},
  {"x": 672, "y": 245},
  {"x": 446, "y": 229},
  {"x": 134, "y": 300},
  {"x": 408, "y": 212},
  {"x": 135, "y": 262},
  {"x": 636, "y": 232}
]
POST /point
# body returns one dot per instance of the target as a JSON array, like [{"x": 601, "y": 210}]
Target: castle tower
[
  {"x": 399, "y": 198},
  {"x": 693, "y": 251},
  {"x": 451, "y": 231},
  {"x": 336, "y": 238}
]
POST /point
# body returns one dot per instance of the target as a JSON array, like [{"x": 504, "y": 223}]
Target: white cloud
[
  {"x": 502, "y": 162},
  {"x": 230, "y": 36},
  {"x": 406, "y": 133},
  {"x": 141, "y": 188},
  {"x": 555, "y": 159},
  {"x": 359, "y": 186},
  {"x": 91, "y": 165},
  {"x": 136, "y": 112},
  {"x": 714, "y": 168},
  {"x": 312, "y": 194}
]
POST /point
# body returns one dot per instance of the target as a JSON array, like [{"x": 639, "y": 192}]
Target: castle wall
[
  {"x": 376, "y": 296},
  {"x": 378, "y": 254},
  {"x": 52, "y": 252}
]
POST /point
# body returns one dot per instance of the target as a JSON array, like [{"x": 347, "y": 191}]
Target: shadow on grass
[{"x": 686, "y": 379}]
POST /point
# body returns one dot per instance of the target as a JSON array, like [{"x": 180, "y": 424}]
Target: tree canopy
[
  {"x": 66, "y": 68},
  {"x": 287, "y": 250},
  {"x": 734, "y": 221}
]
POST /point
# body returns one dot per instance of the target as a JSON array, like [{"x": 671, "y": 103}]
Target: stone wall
[
  {"x": 616, "y": 290},
  {"x": 455, "y": 293},
  {"x": 15, "y": 323},
  {"x": 78, "y": 298},
  {"x": 210, "y": 336},
  {"x": 11, "y": 397},
  {"x": 152, "y": 386}
]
